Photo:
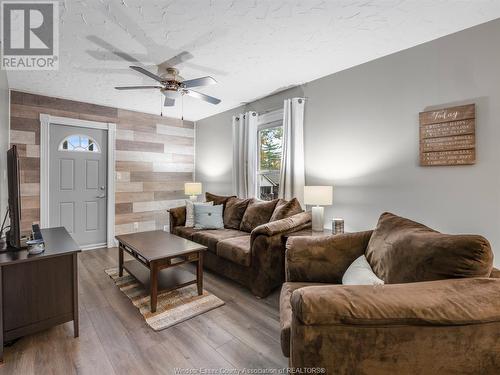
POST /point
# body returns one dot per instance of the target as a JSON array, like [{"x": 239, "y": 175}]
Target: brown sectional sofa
[
  {"x": 438, "y": 313},
  {"x": 249, "y": 250}
]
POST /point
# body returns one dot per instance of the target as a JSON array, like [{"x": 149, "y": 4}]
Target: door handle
[{"x": 101, "y": 196}]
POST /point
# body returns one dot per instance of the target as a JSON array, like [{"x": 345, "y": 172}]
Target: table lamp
[
  {"x": 193, "y": 189},
  {"x": 318, "y": 196}
]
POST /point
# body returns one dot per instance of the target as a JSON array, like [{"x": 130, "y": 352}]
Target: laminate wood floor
[{"x": 114, "y": 339}]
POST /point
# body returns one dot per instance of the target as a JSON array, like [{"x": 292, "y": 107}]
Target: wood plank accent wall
[{"x": 154, "y": 157}]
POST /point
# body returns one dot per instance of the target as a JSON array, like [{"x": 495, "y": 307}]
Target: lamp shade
[
  {"x": 192, "y": 188},
  {"x": 318, "y": 195}
]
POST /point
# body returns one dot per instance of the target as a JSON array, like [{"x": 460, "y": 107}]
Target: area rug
[{"x": 172, "y": 307}]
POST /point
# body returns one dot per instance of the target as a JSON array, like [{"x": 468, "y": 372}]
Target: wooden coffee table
[{"x": 157, "y": 255}]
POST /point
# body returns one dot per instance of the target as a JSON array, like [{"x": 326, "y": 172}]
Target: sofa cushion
[
  {"x": 286, "y": 313},
  {"x": 235, "y": 209},
  {"x": 257, "y": 213},
  {"x": 218, "y": 199},
  {"x": 286, "y": 209},
  {"x": 185, "y": 232},
  {"x": 403, "y": 251},
  {"x": 209, "y": 238},
  {"x": 236, "y": 249}
]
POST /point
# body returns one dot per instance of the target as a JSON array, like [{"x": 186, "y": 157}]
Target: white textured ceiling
[{"x": 251, "y": 47}]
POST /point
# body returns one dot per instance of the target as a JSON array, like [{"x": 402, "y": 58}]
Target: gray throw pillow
[
  {"x": 208, "y": 217},
  {"x": 190, "y": 211}
]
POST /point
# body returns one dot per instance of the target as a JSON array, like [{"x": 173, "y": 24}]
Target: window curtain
[
  {"x": 245, "y": 155},
  {"x": 292, "y": 175}
]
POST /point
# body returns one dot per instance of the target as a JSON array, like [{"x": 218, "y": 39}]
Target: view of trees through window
[{"x": 270, "y": 147}]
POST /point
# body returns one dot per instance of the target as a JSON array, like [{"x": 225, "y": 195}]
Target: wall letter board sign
[{"x": 448, "y": 136}]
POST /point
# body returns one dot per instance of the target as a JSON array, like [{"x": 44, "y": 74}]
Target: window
[
  {"x": 79, "y": 143},
  {"x": 270, "y": 139}
]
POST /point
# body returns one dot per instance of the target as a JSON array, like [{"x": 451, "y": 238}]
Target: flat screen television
[{"x": 14, "y": 234}]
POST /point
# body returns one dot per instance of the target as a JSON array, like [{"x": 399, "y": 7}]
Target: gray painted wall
[
  {"x": 4, "y": 140},
  {"x": 361, "y": 136}
]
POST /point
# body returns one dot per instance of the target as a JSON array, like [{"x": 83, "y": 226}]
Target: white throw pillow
[
  {"x": 360, "y": 273},
  {"x": 190, "y": 211}
]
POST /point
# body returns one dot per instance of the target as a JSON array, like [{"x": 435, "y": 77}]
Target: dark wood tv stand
[{"x": 39, "y": 291}]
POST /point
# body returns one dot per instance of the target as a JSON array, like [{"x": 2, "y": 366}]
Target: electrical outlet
[{"x": 136, "y": 226}]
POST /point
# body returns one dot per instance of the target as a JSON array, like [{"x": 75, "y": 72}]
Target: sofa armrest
[
  {"x": 436, "y": 303},
  {"x": 323, "y": 259},
  {"x": 268, "y": 252},
  {"x": 177, "y": 217},
  {"x": 290, "y": 224}
]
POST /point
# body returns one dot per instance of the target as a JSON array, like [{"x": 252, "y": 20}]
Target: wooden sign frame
[{"x": 448, "y": 136}]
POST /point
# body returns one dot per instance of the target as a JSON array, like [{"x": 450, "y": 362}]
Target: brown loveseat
[
  {"x": 438, "y": 312},
  {"x": 249, "y": 250}
]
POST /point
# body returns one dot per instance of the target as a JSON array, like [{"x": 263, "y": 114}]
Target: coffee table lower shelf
[{"x": 168, "y": 278}]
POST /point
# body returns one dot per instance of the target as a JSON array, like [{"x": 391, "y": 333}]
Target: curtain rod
[{"x": 273, "y": 108}]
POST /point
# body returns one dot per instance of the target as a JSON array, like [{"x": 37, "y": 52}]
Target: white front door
[{"x": 78, "y": 183}]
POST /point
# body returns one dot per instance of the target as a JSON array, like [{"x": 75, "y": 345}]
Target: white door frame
[{"x": 45, "y": 122}]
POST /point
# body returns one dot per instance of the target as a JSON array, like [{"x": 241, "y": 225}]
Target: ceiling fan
[{"x": 172, "y": 84}]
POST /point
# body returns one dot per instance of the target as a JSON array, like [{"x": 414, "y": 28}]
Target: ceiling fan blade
[
  {"x": 146, "y": 72},
  {"x": 137, "y": 87},
  {"x": 199, "y": 95},
  {"x": 169, "y": 102},
  {"x": 202, "y": 81}
]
